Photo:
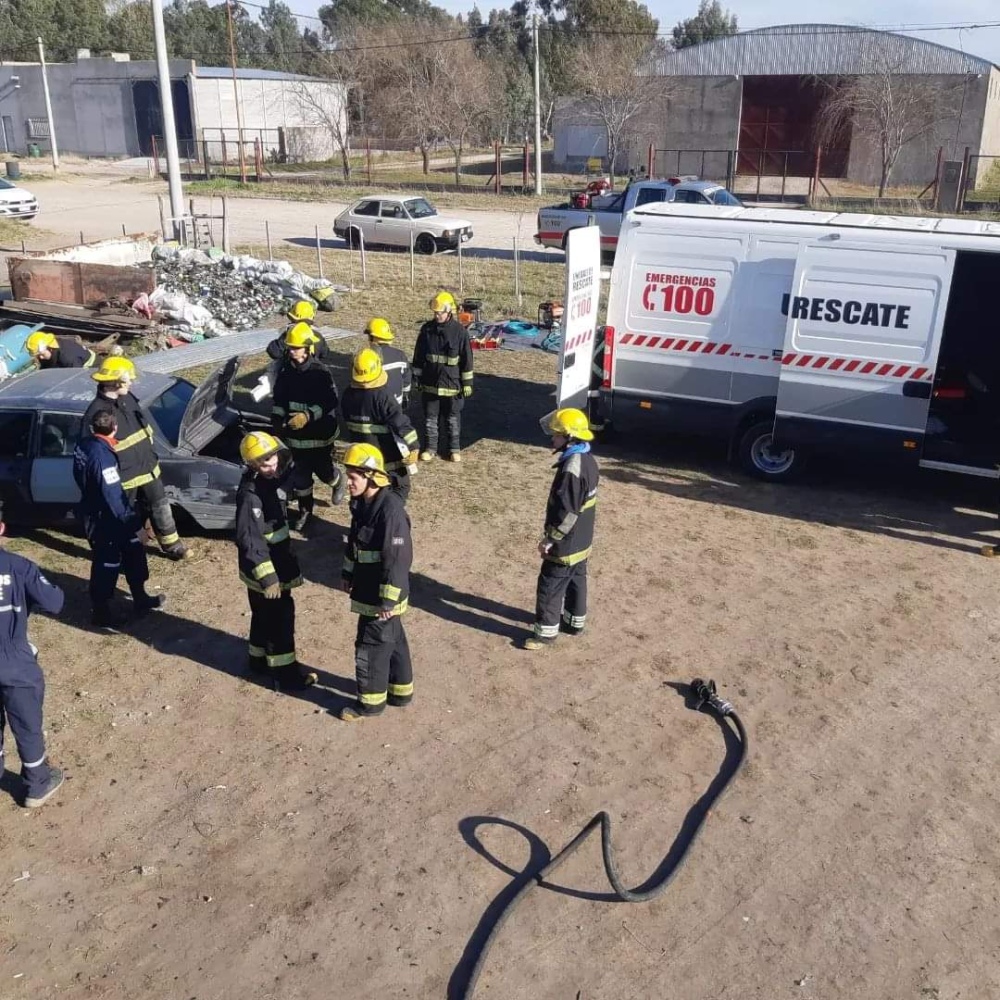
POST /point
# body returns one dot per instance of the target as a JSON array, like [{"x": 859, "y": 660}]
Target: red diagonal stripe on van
[
  {"x": 820, "y": 362},
  {"x": 667, "y": 344},
  {"x": 920, "y": 373},
  {"x": 900, "y": 371},
  {"x": 867, "y": 367},
  {"x": 653, "y": 342},
  {"x": 804, "y": 360},
  {"x": 884, "y": 370}
]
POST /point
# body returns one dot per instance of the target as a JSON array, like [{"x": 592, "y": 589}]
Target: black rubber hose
[{"x": 705, "y": 695}]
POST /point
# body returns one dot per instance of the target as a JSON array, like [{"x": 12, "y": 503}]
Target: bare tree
[
  {"x": 886, "y": 109},
  {"x": 325, "y": 104},
  {"x": 614, "y": 80}
]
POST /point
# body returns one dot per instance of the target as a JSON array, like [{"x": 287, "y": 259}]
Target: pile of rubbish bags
[{"x": 203, "y": 293}]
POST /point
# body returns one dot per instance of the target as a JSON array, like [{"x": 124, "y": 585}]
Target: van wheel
[{"x": 755, "y": 454}]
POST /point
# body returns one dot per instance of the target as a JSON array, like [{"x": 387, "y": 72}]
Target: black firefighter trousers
[
  {"x": 561, "y": 598},
  {"x": 448, "y": 407},
  {"x": 272, "y": 633},
  {"x": 310, "y": 462},
  {"x": 382, "y": 664},
  {"x": 151, "y": 502}
]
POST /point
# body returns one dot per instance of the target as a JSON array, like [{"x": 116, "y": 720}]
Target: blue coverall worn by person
[
  {"x": 23, "y": 588},
  {"x": 112, "y": 525}
]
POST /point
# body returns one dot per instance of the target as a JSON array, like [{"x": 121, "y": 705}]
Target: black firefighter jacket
[
  {"x": 307, "y": 388},
  {"x": 137, "y": 459},
  {"x": 572, "y": 506},
  {"x": 262, "y": 541},
  {"x": 442, "y": 359},
  {"x": 379, "y": 554},
  {"x": 372, "y": 416}
]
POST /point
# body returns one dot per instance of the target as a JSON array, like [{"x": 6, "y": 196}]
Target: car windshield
[
  {"x": 168, "y": 409},
  {"x": 419, "y": 208},
  {"x": 724, "y": 197}
]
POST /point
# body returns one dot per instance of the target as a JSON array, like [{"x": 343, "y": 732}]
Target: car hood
[
  {"x": 15, "y": 194},
  {"x": 211, "y": 408},
  {"x": 444, "y": 222}
]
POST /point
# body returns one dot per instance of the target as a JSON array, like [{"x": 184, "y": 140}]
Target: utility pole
[
  {"x": 169, "y": 126},
  {"x": 48, "y": 108},
  {"x": 236, "y": 93},
  {"x": 538, "y": 108}
]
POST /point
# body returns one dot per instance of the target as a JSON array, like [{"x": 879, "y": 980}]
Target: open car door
[
  {"x": 861, "y": 344},
  {"x": 210, "y": 410},
  {"x": 583, "y": 290}
]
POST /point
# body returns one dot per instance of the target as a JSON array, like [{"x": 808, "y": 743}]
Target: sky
[{"x": 891, "y": 14}]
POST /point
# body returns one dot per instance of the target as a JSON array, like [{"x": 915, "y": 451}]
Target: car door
[
  {"x": 862, "y": 336},
  {"x": 393, "y": 226},
  {"x": 365, "y": 217},
  {"x": 16, "y": 428},
  {"x": 52, "y": 479}
]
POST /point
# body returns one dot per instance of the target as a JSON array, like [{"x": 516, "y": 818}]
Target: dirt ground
[{"x": 217, "y": 839}]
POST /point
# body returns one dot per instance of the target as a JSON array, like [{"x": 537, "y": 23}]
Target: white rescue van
[{"x": 790, "y": 332}]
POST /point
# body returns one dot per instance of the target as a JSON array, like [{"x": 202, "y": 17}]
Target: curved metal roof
[{"x": 817, "y": 50}]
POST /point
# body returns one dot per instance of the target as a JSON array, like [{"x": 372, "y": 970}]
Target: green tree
[
  {"x": 341, "y": 17},
  {"x": 283, "y": 42},
  {"x": 130, "y": 28},
  {"x": 710, "y": 22}
]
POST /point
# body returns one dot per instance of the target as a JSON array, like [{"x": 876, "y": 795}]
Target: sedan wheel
[
  {"x": 425, "y": 244},
  {"x": 354, "y": 238}
]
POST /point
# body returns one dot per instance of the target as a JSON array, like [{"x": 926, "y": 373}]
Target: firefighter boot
[
  {"x": 178, "y": 552},
  {"x": 143, "y": 603},
  {"x": 990, "y": 551},
  {"x": 339, "y": 488},
  {"x": 299, "y": 521},
  {"x": 296, "y": 677},
  {"x": 104, "y": 617},
  {"x": 533, "y": 643}
]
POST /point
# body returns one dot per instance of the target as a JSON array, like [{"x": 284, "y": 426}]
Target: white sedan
[
  {"x": 395, "y": 220},
  {"x": 15, "y": 202}
]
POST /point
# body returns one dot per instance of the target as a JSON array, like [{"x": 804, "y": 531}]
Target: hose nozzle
[{"x": 704, "y": 693}]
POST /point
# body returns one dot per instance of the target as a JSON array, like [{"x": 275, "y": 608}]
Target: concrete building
[
  {"x": 110, "y": 107},
  {"x": 751, "y": 103}
]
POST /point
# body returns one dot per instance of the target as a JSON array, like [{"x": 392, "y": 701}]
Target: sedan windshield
[
  {"x": 723, "y": 197},
  {"x": 168, "y": 409},
  {"x": 6, "y": 185},
  {"x": 419, "y": 208}
]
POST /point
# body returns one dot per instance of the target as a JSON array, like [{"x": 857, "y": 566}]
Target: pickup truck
[{"x": 607, "y": 211}]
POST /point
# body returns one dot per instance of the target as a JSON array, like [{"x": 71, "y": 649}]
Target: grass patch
[
  {"x": 13, "y": 231},
  {"x": 329, "y": 191}
]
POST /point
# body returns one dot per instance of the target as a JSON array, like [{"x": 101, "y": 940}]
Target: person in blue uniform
[
  {"x": 23, "y": 588},
  {"x": 112, "y": 525}
]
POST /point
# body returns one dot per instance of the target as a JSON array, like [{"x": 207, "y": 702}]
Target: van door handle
[{"x": 917, "y": 390}]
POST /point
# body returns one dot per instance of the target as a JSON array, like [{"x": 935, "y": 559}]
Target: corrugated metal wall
[{"x": 817, "y": 50}]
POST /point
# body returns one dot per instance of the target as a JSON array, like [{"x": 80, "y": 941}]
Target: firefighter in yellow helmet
[
  {"x": 371, "y": 416},
  {"x": 442, "y": 371},
  {"x": 267, "y": 565},
  {"x": 302, "y": 311},
  {"x": 376, "y": 574},
  {"x": 137, "y": 458},
  {"x": 50, "y": 351},
  {"x": 561, "y": 600},
  {"x": 304, "y": 413},
  {"x": 394, "y": 363}
]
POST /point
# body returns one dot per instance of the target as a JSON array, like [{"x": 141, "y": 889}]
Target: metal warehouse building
[
  {"x": 111, "y": 107},
  {"x": 755, "y": 98}
]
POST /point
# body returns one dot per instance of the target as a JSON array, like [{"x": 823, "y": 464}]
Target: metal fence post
[
  {"x": 319, "y": 254},
  {"x": 364, "y": 258},
  {"x": 461, "y": 270},
  {"x": 412, "y": 260},
  {"x": 225, "y": 226},
  {"x": 267, "y": 236},
  {"x": 517, "y": 273},
  {"x": 163, "y": 217}
]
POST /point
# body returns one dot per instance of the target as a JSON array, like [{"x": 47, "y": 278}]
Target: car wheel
[
  {"x": 354, "y": 238},
  {"x": 757, "y": 456},
  {"x": 425, "y": 244}
]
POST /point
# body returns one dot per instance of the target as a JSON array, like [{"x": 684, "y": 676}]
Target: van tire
[{"x": 754, "y": 457}]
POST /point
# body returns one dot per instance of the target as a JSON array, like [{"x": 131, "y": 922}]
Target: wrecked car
[{"x": 197, "y": 431}]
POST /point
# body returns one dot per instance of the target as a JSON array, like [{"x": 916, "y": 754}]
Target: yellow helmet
[
  {"x": 258, "y": 446},
  {"x": 443, "y": 302},
  {"x": 368, "y": 459},
  {"x": 367, "y": 369},
  {"x": 571, "y": 422},
  {"x": 302, "y": 311},
  {"x": 115, "y": 369},
  {"x": 40, "y": 340},
  {"x": 379, "y": 329},
  {"x": 300, "y": 335}
]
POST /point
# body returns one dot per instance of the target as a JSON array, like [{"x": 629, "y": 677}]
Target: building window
[{"x": 38, "y": 128}]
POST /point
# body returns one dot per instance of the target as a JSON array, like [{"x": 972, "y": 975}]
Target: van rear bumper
[{"x": 638, "y": 410}]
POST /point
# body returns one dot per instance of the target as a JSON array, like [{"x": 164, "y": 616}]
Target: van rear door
[
  {"x": 861, "y": 343},
  {"x": 583, "y": 290}
]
